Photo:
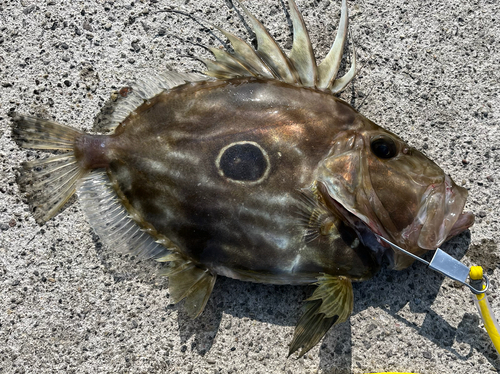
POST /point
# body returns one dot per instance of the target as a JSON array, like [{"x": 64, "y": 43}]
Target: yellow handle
[
  {"x": 490, "y": 324},
  {"x": 484, "y": 308}
]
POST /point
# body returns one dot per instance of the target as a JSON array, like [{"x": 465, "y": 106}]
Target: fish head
[{"x": 381, "y": 185}]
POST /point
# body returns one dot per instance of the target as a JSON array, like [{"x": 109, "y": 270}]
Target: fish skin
[{"x": 164, "y": 164}]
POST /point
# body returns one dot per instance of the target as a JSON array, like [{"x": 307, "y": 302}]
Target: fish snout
[{"x": 442, "y": 215}]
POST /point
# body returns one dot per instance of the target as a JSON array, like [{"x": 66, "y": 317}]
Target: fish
[{"x": 254, "y": 170}]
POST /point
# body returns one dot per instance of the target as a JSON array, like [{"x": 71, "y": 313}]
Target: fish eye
[{"x": 384, "y": 147}]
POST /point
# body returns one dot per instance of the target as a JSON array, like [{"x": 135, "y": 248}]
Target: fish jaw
[{"x": 365, "y": 229}]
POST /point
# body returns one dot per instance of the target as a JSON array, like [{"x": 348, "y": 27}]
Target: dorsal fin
[
  {"x": 270, "y": 61},
  {"x": 270, "y": 51},
  {"x": 247, "y": 56},
  {"x": 228, "y": 61},
  {"x": 126, "y": 100},
  {"x": 329, "y": 67}
]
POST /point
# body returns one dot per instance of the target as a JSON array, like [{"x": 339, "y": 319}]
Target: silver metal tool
[{"x": 443, "y": 263}]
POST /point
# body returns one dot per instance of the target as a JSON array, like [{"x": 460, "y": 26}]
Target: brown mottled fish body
[
  {"x": 254, "y": 171},
  {"x": 164, "y": 162}
]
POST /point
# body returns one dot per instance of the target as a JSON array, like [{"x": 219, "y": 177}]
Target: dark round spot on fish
[
  {"x": 243, "y": 162},
  {"x": 384, "y": 147}
]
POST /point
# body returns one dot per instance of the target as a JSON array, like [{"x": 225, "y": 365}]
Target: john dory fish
[{"x": 254, "y": 171}]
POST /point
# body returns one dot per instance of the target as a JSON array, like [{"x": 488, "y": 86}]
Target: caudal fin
[{"x": 50, "y": 182}]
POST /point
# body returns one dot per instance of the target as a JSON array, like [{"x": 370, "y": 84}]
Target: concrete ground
[{"x": 430, "y": 73}]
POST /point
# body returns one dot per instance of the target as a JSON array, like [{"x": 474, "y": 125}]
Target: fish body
[
  {"x": 254, "y": 171},
  {"x": 242, "y": 214}
]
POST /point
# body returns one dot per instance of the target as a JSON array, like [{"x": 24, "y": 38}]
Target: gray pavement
[{"x": 430, "y": 73}]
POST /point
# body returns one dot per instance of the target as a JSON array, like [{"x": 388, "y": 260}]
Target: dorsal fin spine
[
  {"x": 270, "y": 51},
  {"x": 329, "y": 67},
  {"x": 247, "y": 55},
  {"x": 302, "y": 54},
  {"x": 230, "y": 61},
  {"x": 300, "y": 67},
  {"x": 342, "y": 82}
]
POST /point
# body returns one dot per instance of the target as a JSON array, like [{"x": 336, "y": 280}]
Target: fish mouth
[
  {"x": 440, "y": 216},
  {"x": 430, "y": 228}
]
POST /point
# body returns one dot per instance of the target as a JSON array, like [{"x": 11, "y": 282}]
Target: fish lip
[
  {"x": 450, "y": 220},
  {"x": 464, "y": 221}
]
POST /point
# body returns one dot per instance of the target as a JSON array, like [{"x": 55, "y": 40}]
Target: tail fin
[{"x": 48, "y": 183}]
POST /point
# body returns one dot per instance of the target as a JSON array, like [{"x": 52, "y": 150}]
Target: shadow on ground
[{"x": 415, "y": 287}]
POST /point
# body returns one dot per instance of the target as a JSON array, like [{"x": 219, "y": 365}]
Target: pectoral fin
[
  {"x": 313, "y": 214},
  {"x": 331, "y": 303}
]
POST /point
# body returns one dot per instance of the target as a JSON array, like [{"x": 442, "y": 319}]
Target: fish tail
[{"x": 50, "y": 182}]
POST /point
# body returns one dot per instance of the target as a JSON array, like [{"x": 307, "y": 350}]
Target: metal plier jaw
[{"x": 450, "y": 267}]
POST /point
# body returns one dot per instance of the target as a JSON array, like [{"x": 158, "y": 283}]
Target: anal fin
[
  {"x": 188, "y": 281},
  {"x": 114, "y": 223},
  {"x": 330, "y": 304}
]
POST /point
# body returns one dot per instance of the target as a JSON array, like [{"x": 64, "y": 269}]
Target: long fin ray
[
  {"x": 270, "y": 51},
  {"x": 231, "y": 62},
  {"x": 221, "y": 70},
  {"x": 302, "y": 54},
  {"x": 244, "y": 55},
  {"x": 329, "y": 67},
  {"x": 248, "y": 56},
  {"x": 269, "y": 61}
]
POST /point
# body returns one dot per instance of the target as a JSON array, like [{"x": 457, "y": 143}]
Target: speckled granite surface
[{"x": 430, "y": 73}]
